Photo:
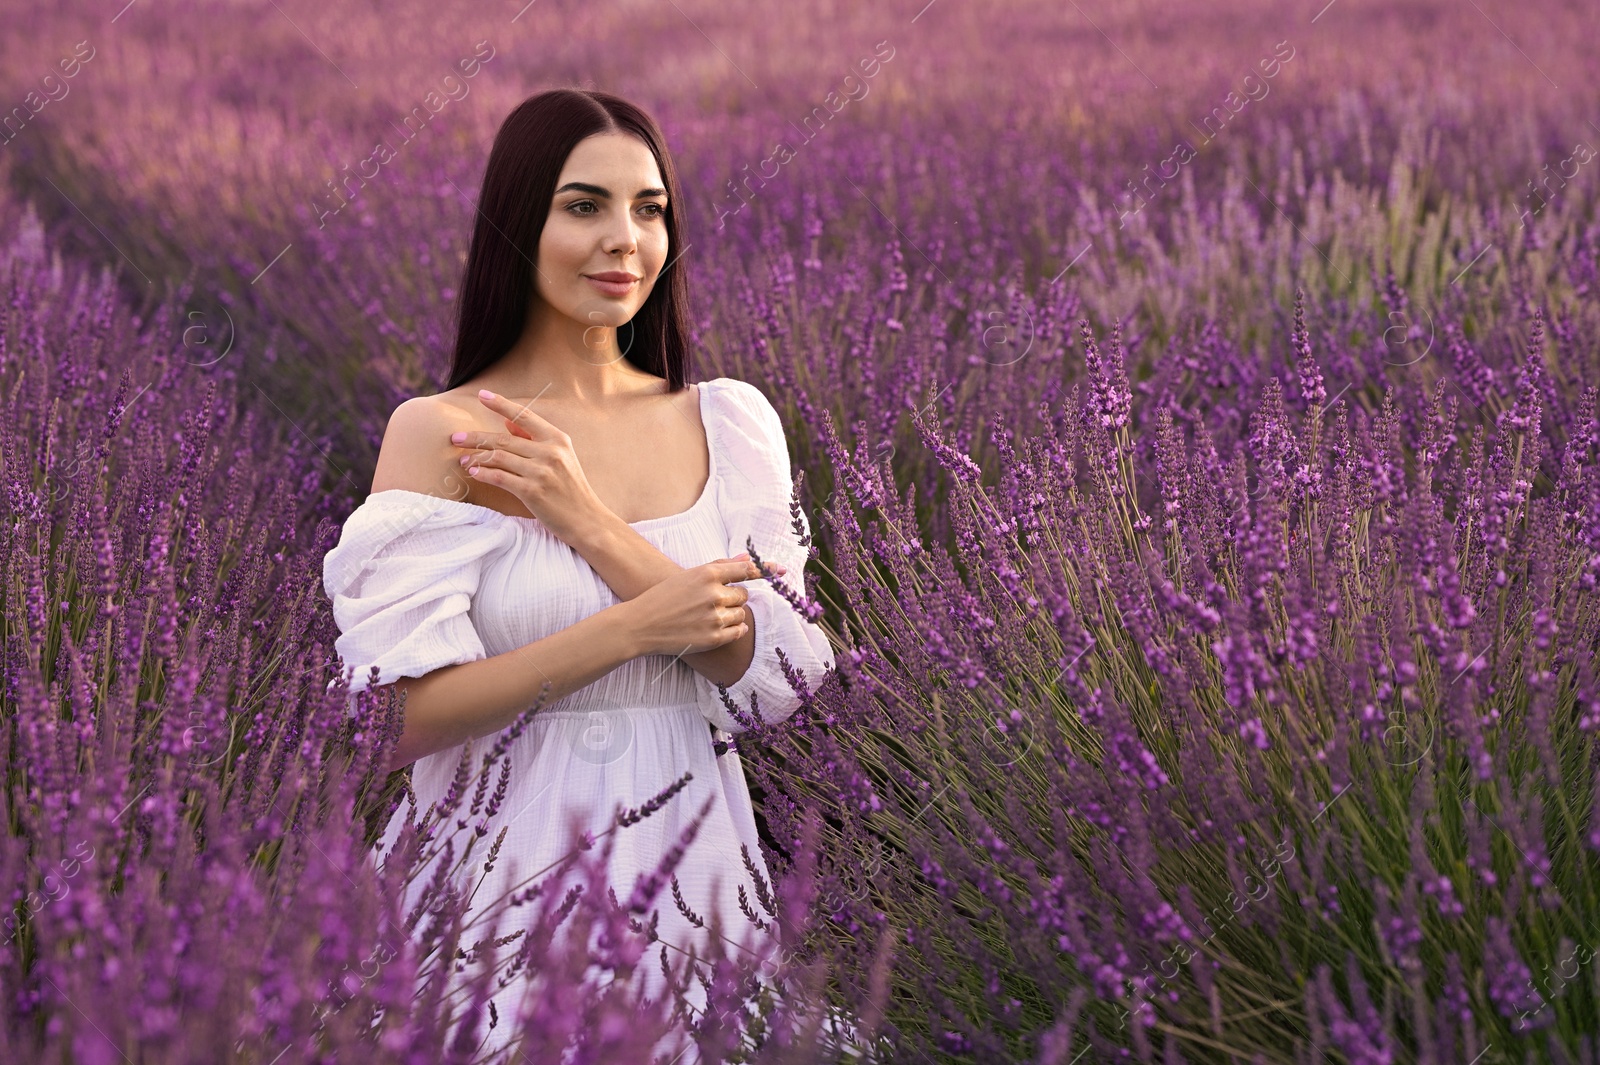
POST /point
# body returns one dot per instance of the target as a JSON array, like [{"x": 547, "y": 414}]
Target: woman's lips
[{"x": 612, "y": 288}]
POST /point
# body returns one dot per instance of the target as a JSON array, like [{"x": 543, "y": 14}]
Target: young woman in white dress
[{"x": 582, "y": 522}]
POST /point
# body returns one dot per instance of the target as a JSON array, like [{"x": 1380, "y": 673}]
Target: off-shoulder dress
[{"x": 419, "y": 582}]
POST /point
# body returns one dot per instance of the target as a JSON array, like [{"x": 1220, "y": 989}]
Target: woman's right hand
[{"x": 694, "y": 609}]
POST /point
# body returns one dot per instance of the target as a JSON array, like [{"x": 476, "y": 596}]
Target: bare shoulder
[
  {"x": 691, "y": 396},
  {"x": 416, "y": 453}
]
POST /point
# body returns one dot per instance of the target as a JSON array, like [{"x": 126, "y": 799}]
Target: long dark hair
[{"x": 519, "y": 184}]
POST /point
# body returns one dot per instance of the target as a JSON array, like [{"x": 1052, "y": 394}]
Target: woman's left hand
[{"x": 534, "y": 461}]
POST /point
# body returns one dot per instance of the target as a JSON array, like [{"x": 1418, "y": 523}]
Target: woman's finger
[
  {"x": 478, "y": 440},
  {"x": 517, "y": 414},
  {"x": 738, "y": 569},
  {"x": 496, "y": 459},
  {"x": 773, "y": 566}
]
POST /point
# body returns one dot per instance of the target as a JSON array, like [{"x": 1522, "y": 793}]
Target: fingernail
[
  {"x": 458, "y": 438},
  {"x": 484, "y": 393}
]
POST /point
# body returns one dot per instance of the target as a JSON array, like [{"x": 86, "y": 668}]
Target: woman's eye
[{"x": 659, "y": 210}]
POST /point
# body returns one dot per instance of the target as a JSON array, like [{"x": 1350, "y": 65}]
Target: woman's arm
[
  {"x": 454, "y": 704},
  {"x": 630, "y": 565}
]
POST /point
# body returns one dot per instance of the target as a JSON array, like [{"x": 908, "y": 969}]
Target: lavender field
[{"x": 1196, "y": 408}]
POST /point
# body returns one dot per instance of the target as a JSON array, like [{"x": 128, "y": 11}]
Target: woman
[{"x": 489, "y": 560}]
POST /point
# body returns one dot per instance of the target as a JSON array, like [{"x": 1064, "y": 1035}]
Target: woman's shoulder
[
  {"x": 746, "y": 421},
  {"x": 416, "y": 454},
  {"x": 741, "y": 392},
  {"x": 752, "y": 452}
]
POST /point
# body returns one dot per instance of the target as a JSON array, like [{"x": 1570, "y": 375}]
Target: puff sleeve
[
  {"x": 754, "y": 492},
  {"x": 402, "y": 578}
]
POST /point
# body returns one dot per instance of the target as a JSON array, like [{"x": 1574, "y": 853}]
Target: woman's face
[{"x": 608, "y": 216}]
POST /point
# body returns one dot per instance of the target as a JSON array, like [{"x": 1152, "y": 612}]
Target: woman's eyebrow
[{"x": 596, "y": 190}]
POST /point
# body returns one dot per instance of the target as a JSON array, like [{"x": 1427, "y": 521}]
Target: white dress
[{"x": 418, "y": 582}]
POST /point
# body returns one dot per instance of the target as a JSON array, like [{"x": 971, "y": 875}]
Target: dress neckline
[{"x": 646, "y": 523}]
